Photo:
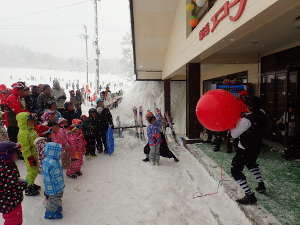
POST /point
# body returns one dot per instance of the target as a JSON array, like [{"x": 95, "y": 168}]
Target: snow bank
[
  {"x": 178, "y": 106},
  {"x": 138, "y": 93}
]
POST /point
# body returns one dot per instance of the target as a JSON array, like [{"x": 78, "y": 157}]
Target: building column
[
  {"x": 167, "y": 95},
  {"x": 193, "y": 79}
]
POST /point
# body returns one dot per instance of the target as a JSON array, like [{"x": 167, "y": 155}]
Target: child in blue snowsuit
[
  {"x": 154, "y": 136},
  {"x": 53, "y": 180}
]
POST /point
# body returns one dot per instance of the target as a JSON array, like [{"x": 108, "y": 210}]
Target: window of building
[
  {"x": 234, "y": 83},
  {"x": 196, "y": 10}
]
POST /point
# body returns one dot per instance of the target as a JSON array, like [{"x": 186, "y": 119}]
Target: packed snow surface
[{"x": 123, "y": 190}]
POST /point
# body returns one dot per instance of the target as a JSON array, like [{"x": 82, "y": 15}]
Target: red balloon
[{"x": 218, "y": 110}]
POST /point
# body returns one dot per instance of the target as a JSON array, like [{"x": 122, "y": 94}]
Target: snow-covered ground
[
  {"x": 123, "y": 190},
  {"x": 10, "y": 75}
]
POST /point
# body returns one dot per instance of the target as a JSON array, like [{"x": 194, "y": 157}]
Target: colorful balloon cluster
[
  {"x": 194, "y": 5},
  {"x": 200, "y": 3}
]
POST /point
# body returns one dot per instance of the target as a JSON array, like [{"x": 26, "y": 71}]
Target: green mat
[{"x": 282, "y": 179}]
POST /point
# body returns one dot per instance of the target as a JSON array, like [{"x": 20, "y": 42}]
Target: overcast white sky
[{"x": 36, "y": 24}]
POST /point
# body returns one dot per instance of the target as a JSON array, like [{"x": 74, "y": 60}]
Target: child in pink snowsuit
[
  {"x": 60, "y": 135},
  {"x": 77, "y": 150}
]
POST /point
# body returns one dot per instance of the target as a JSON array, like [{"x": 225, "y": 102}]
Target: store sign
[{"x": 221, "y": 14}]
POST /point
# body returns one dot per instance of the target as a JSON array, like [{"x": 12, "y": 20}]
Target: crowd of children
[{"x": 50, "y": 140}]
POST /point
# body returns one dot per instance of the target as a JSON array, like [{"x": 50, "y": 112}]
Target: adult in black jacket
[
  {"x": 27, "y": 99},
  {"x": 91, "y": 131},
  {"x": 44, "y": 97},
  {"x": 105, "y": 120},
  {"x": 71, "y": 113},
  {"x": 249, "y": 131},
  {"x": 35, "y": 92}
]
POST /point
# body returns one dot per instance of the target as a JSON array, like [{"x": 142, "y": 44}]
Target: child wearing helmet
[{"x": 154, "y": 137}]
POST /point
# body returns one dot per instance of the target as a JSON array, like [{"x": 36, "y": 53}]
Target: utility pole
[
  {"x": 97, "y": 46},
  {"x": 86, "y": 37}
]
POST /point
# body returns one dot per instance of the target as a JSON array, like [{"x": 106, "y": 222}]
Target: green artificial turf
[{"x": 282, "y": 179}]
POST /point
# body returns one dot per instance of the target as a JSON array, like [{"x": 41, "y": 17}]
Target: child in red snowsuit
[
  {"x": 11, "y": 187},
  {"x": 77, "y": 150}
]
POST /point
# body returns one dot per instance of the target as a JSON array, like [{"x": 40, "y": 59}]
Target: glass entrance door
[
  {"x": 294, "y": 97},
  {"x": 280, "y": 96}
]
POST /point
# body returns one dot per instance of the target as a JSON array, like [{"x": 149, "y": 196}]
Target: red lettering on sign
[
  {"x": 241, "y": 10},
  {"x": 221, "y": 14},
  {"x": 204, "y": 32},
  {"x": 216, "y": 19}
]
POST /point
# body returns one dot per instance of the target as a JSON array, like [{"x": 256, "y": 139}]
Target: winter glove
[{"x": 32, "y": 161}]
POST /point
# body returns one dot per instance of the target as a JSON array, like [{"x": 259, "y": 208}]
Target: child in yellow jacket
[{"x": 26, "y": 138}]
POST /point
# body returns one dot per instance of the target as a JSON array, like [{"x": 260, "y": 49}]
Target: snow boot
[
  {"x": 176, "y": 160},
  {"x": 216, "y": 148},
  {"x": 73, "y": 176},
  {"x": 261, "y": 188},
  {"x": 20, "y": 156},
  {"x": 53, "y": 215},
  {"x": 247, "y": 200},
  {"x": 146, "y": 160},
  {"x": 79, "y": 173},
  {"x": 31, "y": 191},
  {"x": 37, "y": 187},
  {"x": 100, "y": 149}
]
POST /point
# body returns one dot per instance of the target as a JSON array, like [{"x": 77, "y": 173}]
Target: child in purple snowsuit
[{"x": 154, "y": 137}]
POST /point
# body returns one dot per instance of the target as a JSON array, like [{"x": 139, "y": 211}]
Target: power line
[{"x": 46, "y": 10}]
